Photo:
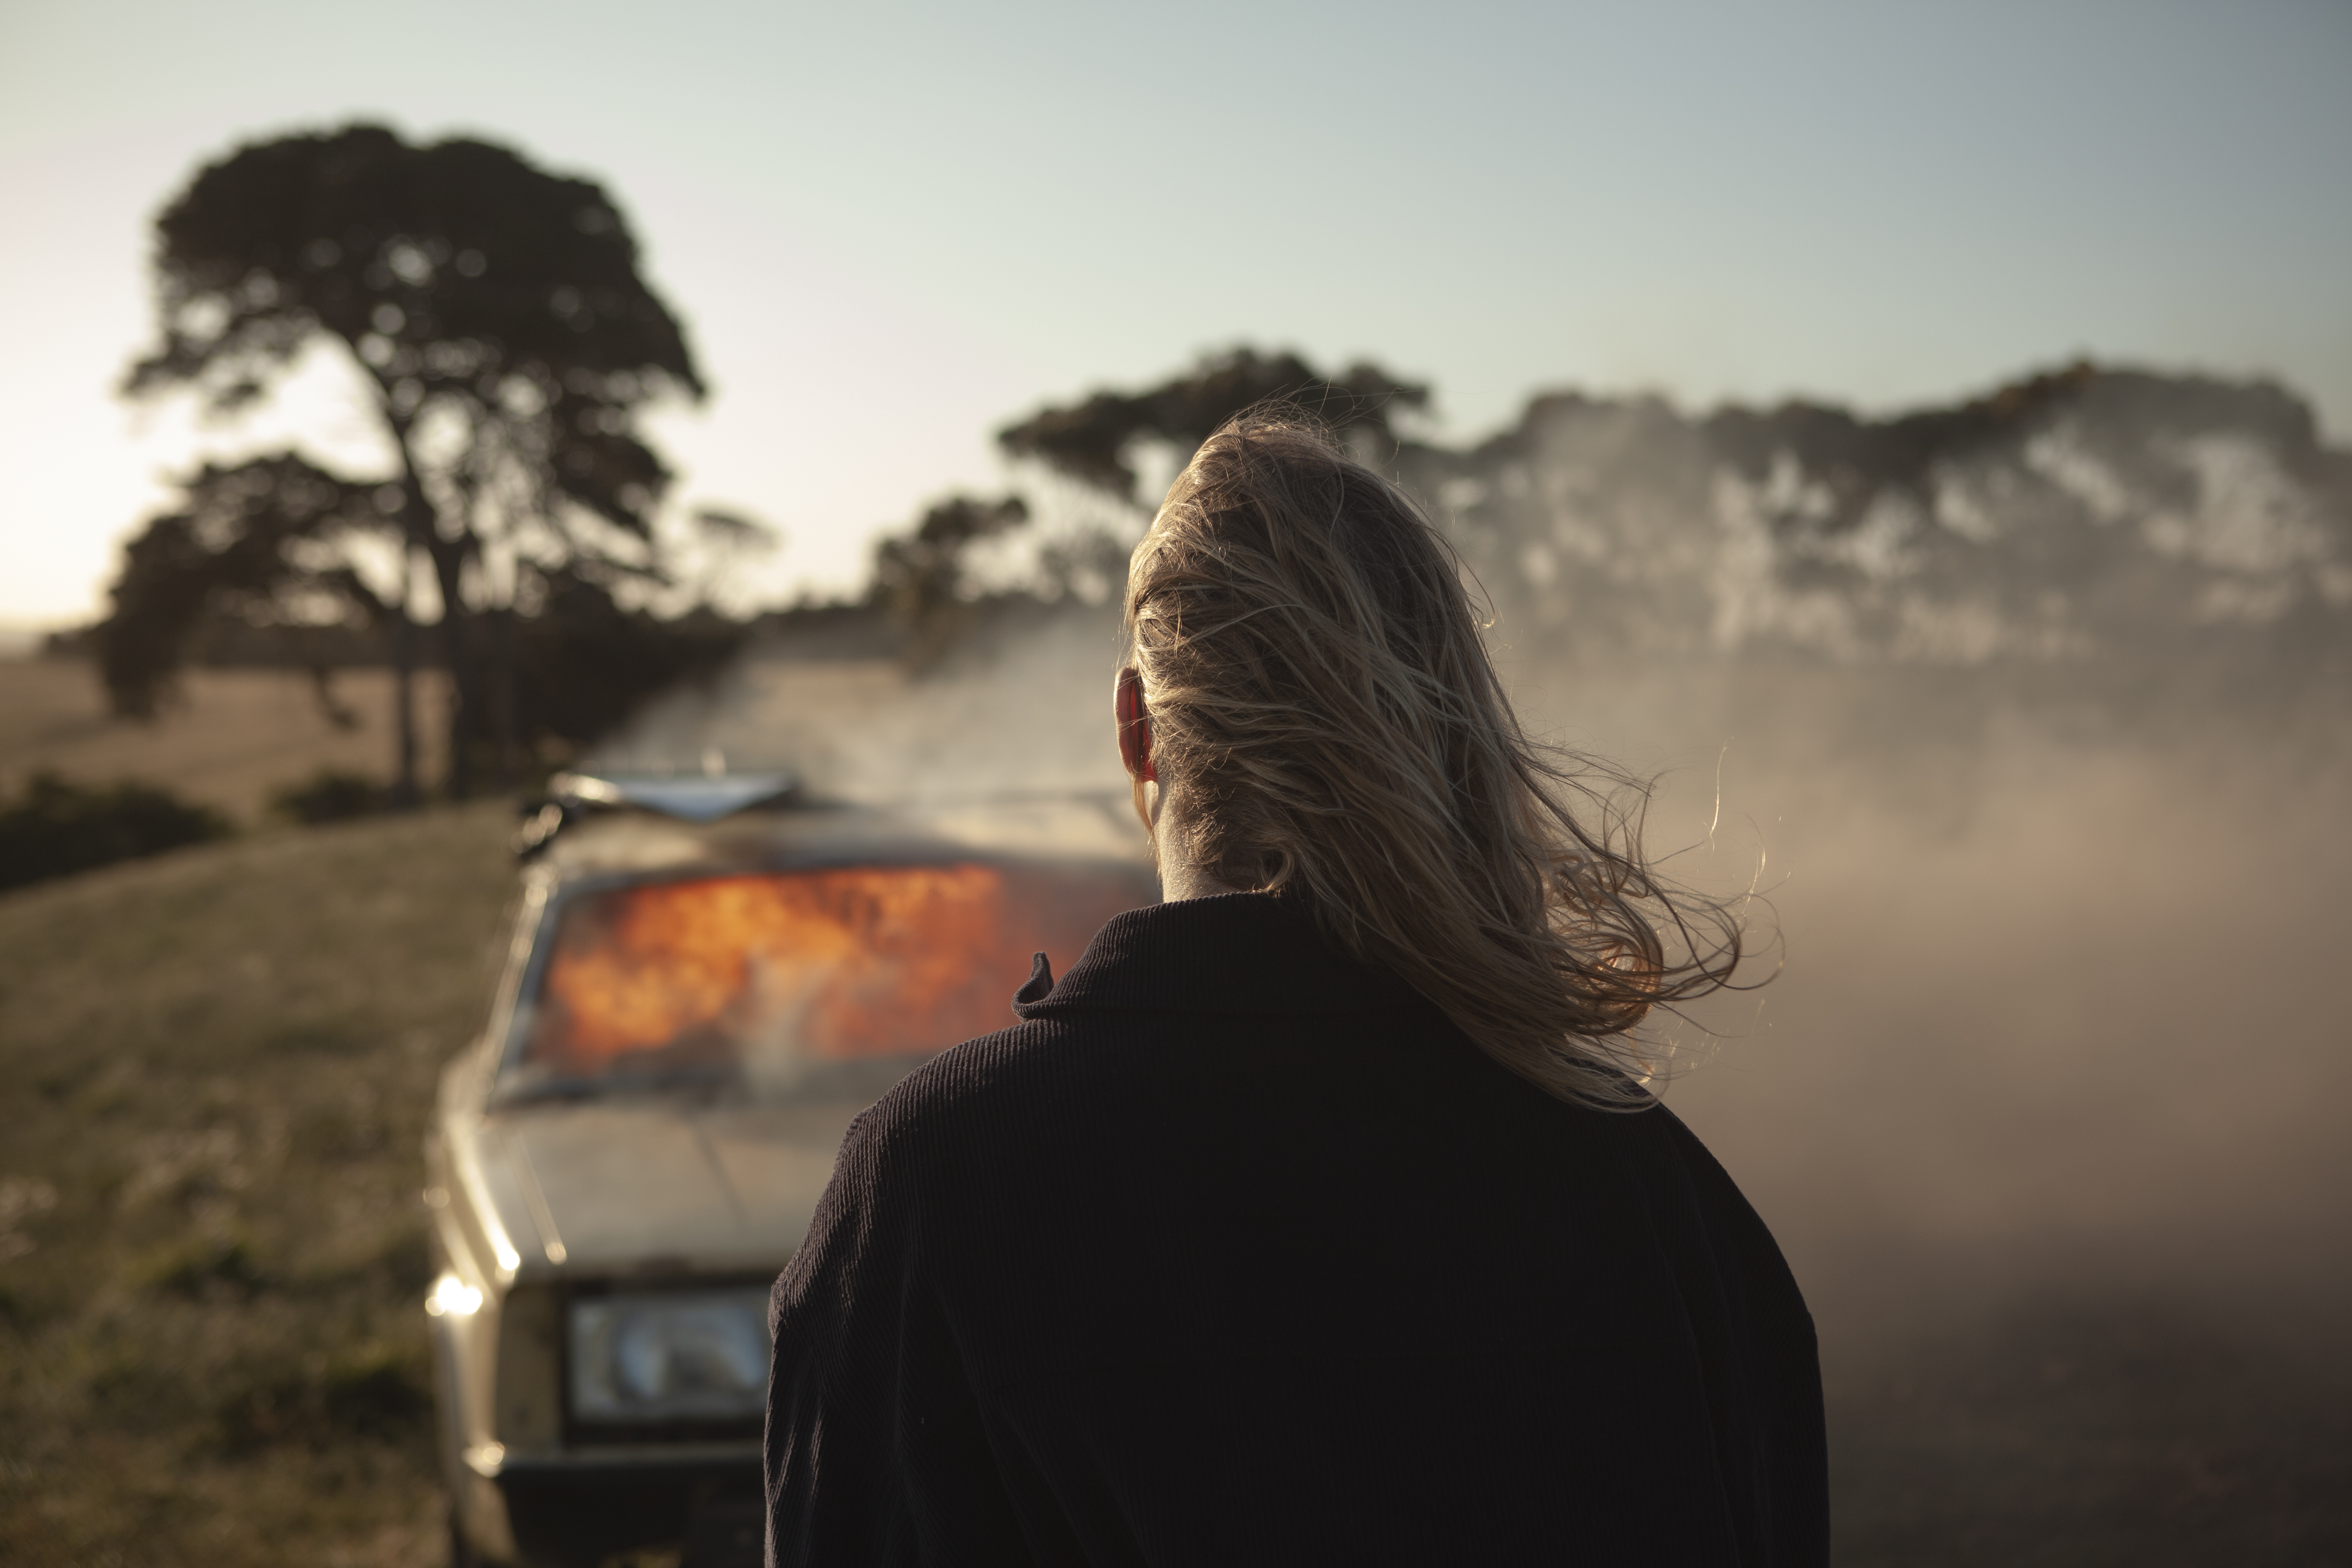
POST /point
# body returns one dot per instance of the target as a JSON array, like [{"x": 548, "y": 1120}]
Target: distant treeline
[
  {"x": 857, "y": 627},
  {"x": 224, "y": 641}
]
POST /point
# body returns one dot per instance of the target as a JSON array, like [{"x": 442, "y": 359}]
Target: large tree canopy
[
  {"x": 495, "y": 314},
  {"x": 465, "y": 281},
  {"x": 1095, "y": 441}
]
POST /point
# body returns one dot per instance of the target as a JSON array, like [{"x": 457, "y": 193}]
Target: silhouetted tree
[
  {"x": 1094, "y": 441},
  {"x": 921, "y": 578},
  {"x": 497, "y": 317},
  {"x": 583, "y": 661},
  {"x": 266, "y": 542}
]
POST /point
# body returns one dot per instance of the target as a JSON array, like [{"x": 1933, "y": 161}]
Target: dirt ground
[{"x": 228, "y": 738}]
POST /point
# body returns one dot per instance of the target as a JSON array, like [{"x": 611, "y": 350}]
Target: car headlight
[{"x": 670, "y": 1355}]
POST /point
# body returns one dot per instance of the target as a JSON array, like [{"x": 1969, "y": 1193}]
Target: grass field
[
  {"x": 229, "y": 739},
  {"x": 215, "y": 1070}
]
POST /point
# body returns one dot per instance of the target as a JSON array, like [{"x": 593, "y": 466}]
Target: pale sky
[{"x": 891, "y": 228}]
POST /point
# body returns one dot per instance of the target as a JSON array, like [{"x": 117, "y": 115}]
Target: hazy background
[{"x": 890, "y": 228}]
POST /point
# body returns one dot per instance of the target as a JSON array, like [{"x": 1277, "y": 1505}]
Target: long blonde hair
[{"x": 1325, "y": 712}]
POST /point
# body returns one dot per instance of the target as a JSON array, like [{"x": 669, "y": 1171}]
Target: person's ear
[{"x": 1134, "y": 728}]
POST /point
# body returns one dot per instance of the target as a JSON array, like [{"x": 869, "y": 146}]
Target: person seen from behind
[{"x": 1322, "y": 1212}]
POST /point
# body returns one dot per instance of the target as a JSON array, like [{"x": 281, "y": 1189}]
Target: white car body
[{"x": 593, "y": 1238}]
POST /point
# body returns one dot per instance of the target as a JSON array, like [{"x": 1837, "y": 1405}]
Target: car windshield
[{"x": 837, "y": 979}]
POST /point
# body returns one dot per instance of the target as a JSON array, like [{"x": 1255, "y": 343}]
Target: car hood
[{"x": 629, "y": 1185}]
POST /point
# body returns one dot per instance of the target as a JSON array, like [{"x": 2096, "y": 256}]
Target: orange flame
[{"x": 860, "y": 961}]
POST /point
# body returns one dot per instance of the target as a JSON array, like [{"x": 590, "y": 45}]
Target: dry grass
[
  {"x": 215, "y": 1068},
  {"x": 230, "y": 738}
]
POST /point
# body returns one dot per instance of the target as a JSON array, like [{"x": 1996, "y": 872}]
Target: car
[{"x": 708, "y": 979}]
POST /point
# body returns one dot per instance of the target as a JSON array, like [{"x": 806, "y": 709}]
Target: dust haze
[
  {"x": 2057, "y": 986},
  {"x": 2060, "y": 1004},
  {"x": 2035, "y": 750}
]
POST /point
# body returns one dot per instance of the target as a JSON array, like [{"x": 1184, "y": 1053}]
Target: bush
[
  {"x": 330, "y": 794},
  {"x": 201, "y": 1267},
  {"x": 58, "y": 827}
]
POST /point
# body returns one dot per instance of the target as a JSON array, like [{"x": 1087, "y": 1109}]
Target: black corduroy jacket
[{"x": 1235, "y": 1251}]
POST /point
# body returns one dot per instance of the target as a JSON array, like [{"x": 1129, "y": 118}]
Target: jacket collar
[{"x": 1235, "y": 953}]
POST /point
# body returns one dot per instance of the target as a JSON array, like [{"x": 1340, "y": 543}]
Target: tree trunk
[
  {"x": 458, "y": 646},
  {"x": 404, "y": 689},
  {"x": 502, "y": 692},
  {"x": 448, "y": 559}
]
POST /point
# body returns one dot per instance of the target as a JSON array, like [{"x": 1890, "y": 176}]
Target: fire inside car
[{"x": 776, "y": 974}]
